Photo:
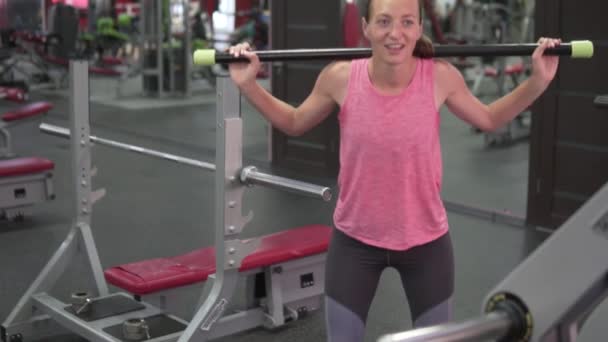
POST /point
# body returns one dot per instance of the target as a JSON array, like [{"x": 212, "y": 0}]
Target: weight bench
[
  {"x": 513, "y": 71},
  {"x": 18, "y": 115},
  {"x": 13, "y": 94},
  {"x": 285, "y": 278},
  {"x": 519, "y": 127},
  {"x": 24, "y": 182}
]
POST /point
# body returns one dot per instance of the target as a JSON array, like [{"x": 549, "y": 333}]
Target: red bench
[
  {"x": 24, "y": 182},
  {"x": 284, "y": 279},
  {"x": 513, "y": 69},
  {"x": 13, "y": 94},
  {"x": 26, "y": 111},
  {"x": 24, "y": 166},
  {"x": 149, "y": 276},
  {"x": 110, "y": 60}
]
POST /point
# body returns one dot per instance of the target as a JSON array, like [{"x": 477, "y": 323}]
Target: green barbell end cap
[
  {"x": 582, "y": 49},
  {"x": 204, "y": 57}
]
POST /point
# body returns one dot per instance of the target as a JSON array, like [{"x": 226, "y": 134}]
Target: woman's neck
[{"x": 391, "y": 78}]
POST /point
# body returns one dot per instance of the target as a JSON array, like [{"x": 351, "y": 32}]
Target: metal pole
[
  {"x": 249, "y": 175},
  {"x": 575, "y": 49},
  {"x": 65, "y": 133},
  {"x": 493, "y": 326}
]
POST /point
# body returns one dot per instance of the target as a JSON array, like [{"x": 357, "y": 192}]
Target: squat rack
[{"x": 38, "y": 314}]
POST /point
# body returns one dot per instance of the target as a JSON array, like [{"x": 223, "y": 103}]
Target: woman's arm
[
  {"x": 291, "y": 120},
  {"x": 465, "y": 105}
]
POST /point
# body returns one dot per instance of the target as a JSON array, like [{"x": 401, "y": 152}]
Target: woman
[{"x": 389, "y": 212}]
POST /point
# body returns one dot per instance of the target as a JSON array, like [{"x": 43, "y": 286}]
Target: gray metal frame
[
  {"x": 32, "y": 309},
  {"x": 36, "y": 187},
  {"x": 556, "y": 288},
  {"x": 153, "y": 37},
  {"x": 6, "y": 149},
  {"x": 37, "y": 311}
]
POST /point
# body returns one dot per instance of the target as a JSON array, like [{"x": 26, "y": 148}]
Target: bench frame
[
  {"x": 38, "y": 314},
  {"x": 279, "y": 305},
  {"x": 18, "y": 193}
]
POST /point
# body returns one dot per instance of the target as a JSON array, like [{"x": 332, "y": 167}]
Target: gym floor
[{"x": 156, "y": 208}]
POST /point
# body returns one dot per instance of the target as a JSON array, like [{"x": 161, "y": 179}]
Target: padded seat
[
  {"x": 13, "y": 94},
  {"x": 149, "y": 276},
  {"x": 24, "y": 166},
  {"x": 26, "y": 111},
  {"x": 509, "y": 70},
  {"x": 104, "y": 71},
  {"x": 109, "y": 60}
]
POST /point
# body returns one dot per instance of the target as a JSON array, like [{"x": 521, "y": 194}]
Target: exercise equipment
[
  {"x": 290, "y": 262},
  {"x": 166, "y": 47},
  {"x": 23, "y": 181},
  {"x": 519, "y": 127},
  {"x": 248, "y": 175},
  {"x": 574, "y": 49},
  {"x": 13, "y": 94},
  {"x": 549, "y": 295}
]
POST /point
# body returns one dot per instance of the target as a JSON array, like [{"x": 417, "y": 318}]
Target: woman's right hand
[{"x": 244, "y": 73}]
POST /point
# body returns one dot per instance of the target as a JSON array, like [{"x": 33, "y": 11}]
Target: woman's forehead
[{"x": 398, "y": 8}]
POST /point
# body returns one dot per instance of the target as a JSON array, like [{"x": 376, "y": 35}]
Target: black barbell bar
[{"x": 574, "y": 49}]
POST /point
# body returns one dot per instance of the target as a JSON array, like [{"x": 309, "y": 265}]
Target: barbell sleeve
[
  {"x": 493, "y": 325},
  {"x": 250, "y": 175},
  {"x": 574, "y": 49}
]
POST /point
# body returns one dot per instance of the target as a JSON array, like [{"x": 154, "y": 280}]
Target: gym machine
[
  {"x": 24, "y": 181},
  {"x": 166, "y": 47},
  {"x": 549, "y": 296},
  {"x": 98, "y": 315}
]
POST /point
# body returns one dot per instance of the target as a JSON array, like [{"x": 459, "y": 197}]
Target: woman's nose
[{"x": 395, "y": 30}]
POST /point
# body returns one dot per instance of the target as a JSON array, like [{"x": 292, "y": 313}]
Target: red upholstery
[
  {"x": 490, "y": 71},
  {"x": 24, "y": 166},
  {"x": 514, "y": 69},
  {"x": 154, "y": 275},
  {"x": 26, "y": 111},
  {"x": 13, "y": 94},
  {"x": 104, "y": 71},
  {"x": 509, "y": 69},
  {"x": 109, "y": 60},
  {"x": 31, "y": 37}
]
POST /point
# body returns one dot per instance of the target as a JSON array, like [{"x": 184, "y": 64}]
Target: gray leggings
[{"x": 353, "y": 270}]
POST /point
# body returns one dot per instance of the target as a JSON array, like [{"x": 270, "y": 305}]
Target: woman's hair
[{"x": 424, "y": 45}]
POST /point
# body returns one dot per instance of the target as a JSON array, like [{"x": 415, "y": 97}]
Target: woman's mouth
[{"x": 394, "y": 48}]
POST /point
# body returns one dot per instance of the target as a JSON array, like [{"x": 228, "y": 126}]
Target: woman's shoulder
[
  {"x": 444, "y": 69},
  {"x": 339, "y": 69},
  {"x": 336, "y": 73},
  {"x": 448, "y": 78}
]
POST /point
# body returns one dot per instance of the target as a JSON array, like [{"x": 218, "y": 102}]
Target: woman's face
[{"x": 393, "y": 28}]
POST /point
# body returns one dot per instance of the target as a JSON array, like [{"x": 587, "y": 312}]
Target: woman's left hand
[{"x": 544, "y": 68}]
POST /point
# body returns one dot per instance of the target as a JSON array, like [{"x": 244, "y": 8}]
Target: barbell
[{"x": 574, "y": 49}]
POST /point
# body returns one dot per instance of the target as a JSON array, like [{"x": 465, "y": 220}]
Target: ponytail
[{"x": 424, "y": 47}]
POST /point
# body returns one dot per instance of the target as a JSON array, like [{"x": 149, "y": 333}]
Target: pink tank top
[{"x": 390, "y": 162}]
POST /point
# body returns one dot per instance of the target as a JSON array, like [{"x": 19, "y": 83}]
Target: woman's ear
[
  {"x": 421, "y": 29},
  {"x": 364, "y": 27}
]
